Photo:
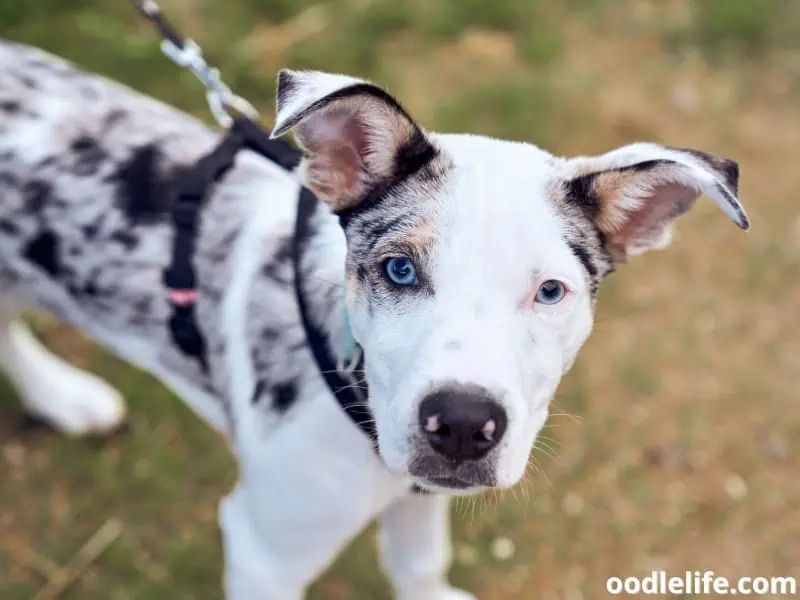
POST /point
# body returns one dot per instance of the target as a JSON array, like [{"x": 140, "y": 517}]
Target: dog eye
[
  {"x": 400, "y": 270},
  {"x": 551, "y": 292}
]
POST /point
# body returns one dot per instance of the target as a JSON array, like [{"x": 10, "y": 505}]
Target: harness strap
[{"x": 180, "y": 278}]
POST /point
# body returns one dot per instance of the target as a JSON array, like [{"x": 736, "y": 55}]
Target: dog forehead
[{"x": 500, "y": 191}]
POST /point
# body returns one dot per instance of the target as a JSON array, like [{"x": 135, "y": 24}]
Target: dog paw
[
  {"x": 63, "y": 396},
  {"x": 79, "y": 404}
]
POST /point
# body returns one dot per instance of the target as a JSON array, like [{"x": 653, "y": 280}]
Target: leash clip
[
  {"x": 187, "y": 53},
  {"x": 218, "y": 95}
]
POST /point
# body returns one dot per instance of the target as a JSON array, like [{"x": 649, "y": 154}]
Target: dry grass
[{"x": 683, "y": 450}]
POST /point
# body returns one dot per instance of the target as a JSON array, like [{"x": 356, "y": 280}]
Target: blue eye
[
  {"x": 551, "y": 292},
  {"x": 401, "y": 271}
]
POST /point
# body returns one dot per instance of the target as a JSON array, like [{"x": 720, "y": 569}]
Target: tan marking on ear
[
  {"x": 609, "y": 189},
  {"x": 620, "y": 193}
]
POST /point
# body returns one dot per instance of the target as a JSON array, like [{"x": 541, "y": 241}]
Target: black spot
[
  {"x": 269, "y": 335},
  {"x": 362, "y": 273},
  {"x": 8, "y": 179},
  {"x": 113, "y": 118},
  {"x": 35, "y": 194},
  {"x": 258, "y": 390},
  {"x": 127, "y": 239},
  {"x": 43, "y": 251},
  {"x": 286, "y": 86},
  {"x": 10, "y": 106},
  {"x": 730, "y": 171},
  {"x": 90, "y": 229},
  {"x": 284, "y": 395},
  {"x": 580, "y": 192},
  {"x": 585, "y": 257},
  {"x": 143, "y": 305},
  {"x": 46, "y": 162},
  {"x": 28, "y": 82},
  {"x": 412, "y": 156},
  {"x": 278, "y": 269},
  {"x": 9, "y": 227},
  {"x": 90, "y": 289},
  {"x": 144, "y": 194},
  {"x": 88, "y": 155}
]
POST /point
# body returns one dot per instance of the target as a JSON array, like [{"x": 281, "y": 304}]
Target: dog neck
[{"x": 321, "y": 275}]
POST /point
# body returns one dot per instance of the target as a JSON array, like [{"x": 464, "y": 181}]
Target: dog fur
[{"x": 87, "y": 168}]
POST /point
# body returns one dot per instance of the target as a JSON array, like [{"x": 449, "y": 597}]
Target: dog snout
[{"x": 462, "y": 422}]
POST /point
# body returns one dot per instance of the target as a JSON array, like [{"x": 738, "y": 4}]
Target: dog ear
[
  {"x": 353, "y": 133},
  {"x": 633, "y": 194}
]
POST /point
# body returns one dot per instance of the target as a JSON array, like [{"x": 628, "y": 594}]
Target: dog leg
[
  {"x": 250, "y": 572},
  {"x": 415, "y": 548},
  {"x": 64, "y": 396}
]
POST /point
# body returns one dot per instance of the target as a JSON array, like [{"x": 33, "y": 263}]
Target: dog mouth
[
  {"x": 448, "y": 482},
  {"x": 436, "y": 474}
]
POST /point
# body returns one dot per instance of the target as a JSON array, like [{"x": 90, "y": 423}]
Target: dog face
[{"x": 473, "y": 266}]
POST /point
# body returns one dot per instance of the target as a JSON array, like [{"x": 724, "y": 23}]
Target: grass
[{"x": 674, "y": 439}]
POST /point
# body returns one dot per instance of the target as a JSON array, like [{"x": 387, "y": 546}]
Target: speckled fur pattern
[{"x": 88, "y": 169}]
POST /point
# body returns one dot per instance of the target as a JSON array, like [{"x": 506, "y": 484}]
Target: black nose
[{"x": 462, "y": 422}]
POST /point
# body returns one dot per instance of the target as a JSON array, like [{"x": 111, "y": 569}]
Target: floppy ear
[
  {"x": 633, "y": 194},
  {"x": 354, "y": 135}
]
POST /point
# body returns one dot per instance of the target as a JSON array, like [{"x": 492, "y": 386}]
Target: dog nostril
[{"x": 432, "y": 424}]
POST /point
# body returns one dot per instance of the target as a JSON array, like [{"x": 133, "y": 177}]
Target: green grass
[
  {"x": 691, "y": 375},
  {"x": 740, "y": 29}
]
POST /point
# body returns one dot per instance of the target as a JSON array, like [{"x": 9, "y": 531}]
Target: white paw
[
  {"x": 69, "y": 399},
  {"x": 79, "y": 404}
]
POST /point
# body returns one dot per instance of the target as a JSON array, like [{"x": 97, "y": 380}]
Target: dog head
[{"x": 473, "y": 265}]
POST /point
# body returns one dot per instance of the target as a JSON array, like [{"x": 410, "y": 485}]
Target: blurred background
[{"x": 674, "y": 440}]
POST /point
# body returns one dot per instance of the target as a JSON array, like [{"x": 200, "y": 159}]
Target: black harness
[{"x": 180, "y": 279}]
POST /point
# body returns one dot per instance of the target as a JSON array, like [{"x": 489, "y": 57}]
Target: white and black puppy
[{"x": 465, "y": 267}]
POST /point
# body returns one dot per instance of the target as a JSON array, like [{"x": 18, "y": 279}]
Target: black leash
[{"x": 243, "y": 133}]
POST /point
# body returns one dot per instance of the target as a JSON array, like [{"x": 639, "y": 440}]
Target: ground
[{"x": 675, "y": 440}]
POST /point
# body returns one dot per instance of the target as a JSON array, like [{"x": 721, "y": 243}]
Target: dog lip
[{"x": 450, "y": 482}]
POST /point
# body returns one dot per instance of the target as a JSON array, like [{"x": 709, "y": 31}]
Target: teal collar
[{"x": 350, "y": 349}]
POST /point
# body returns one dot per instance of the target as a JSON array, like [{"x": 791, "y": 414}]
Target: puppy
[{"x": 464, "y": 268}]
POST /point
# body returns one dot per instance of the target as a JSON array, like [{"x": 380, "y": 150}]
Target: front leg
[
  {"x": 416, "y": 549},
  {"x": 252, "y": 571}
]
